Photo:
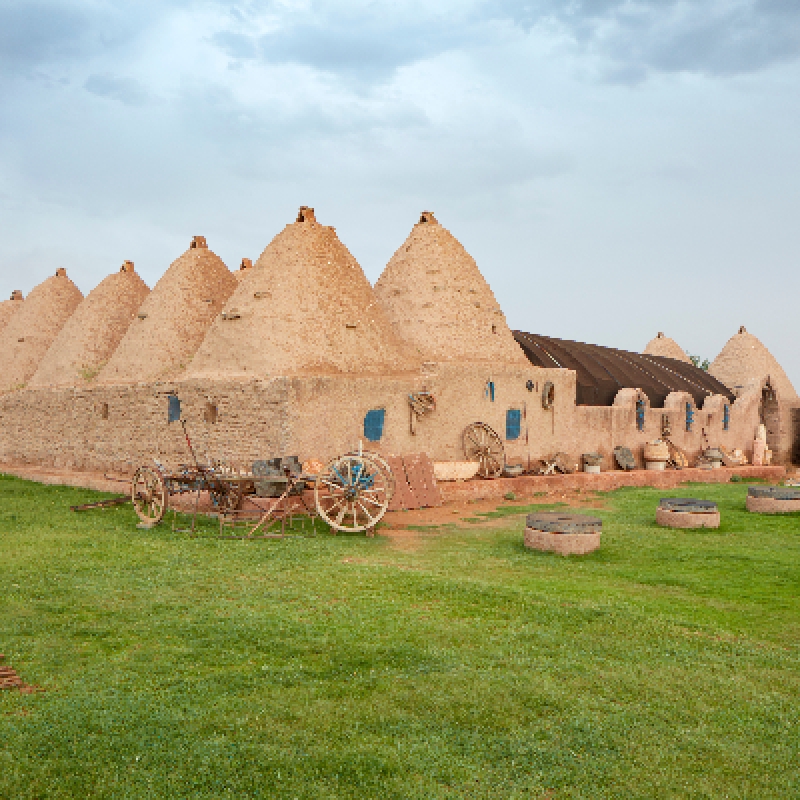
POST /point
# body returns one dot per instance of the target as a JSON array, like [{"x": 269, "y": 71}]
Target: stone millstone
[
  {"x": 567, "y": 534},
  {"x": 773, "y": 499},
  {"x": 687, "y": 512},
  {"x": 624, "y": 458},
  {"x": 555, "y": 522}
]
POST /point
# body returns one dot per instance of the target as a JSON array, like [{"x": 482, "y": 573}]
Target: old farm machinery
[{"x": 350, "y": 494}]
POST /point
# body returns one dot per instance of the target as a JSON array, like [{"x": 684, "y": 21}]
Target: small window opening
[
  {"x": 689, "y": 417},
  {"x": 640, "y": 409},
  {"x": 104, "y": 411},
  {"x": 726, "y": 417},
  {"x": 211, "y": 414},
  {"x": 490, "y": 390},
  {"x": 173, "y": 409},
  {"x": 373, "y": 424},
  {"x": 513, "y": 423},
  {"x": 494, "y": 328}
]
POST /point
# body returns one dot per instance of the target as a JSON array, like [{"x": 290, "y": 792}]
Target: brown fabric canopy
[{"x": 603, "y": 371}]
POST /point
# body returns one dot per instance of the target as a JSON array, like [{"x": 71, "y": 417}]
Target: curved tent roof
[
  {"x": 33, "y": 328},
  {"x": 603, "y": 371},
  {"x": 438, "y": 301},
  {"x": 744, "y": 362},
  {"x": 173, "y": 319},
  {"x": 664, "y": 346},
  {"x": 305, "y": 307},
  {"x": 10, "y": 307},
  {"x": 94, "y": 331}
]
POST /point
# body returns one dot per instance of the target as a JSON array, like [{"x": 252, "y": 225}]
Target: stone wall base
[
  {"x": 771, "y": 505},
  {"x": 686, "y": 519},
  {"x": 566, "y": 544}
]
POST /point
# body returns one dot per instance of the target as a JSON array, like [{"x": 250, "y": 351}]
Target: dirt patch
[
  {"x": 10, "y": 680},
  {"x": 408, "y": 531}
]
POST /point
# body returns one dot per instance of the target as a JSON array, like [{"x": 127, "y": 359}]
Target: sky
[{"x": 616, "y": 167}]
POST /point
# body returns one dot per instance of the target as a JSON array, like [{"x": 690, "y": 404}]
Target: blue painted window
[
  {"x": 513, "y": 423},
  {"x": 490, "y": 390},
  {"x": 726, "y": 417},
  {"x": 373, "y": 424},
  {"x": 640, "y": 408},
  {"x": 689, "y": 417},
  {"x": 174, "y": 409}
]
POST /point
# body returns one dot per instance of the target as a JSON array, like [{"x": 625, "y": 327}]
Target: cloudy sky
[{"x": 616, "y": 167}]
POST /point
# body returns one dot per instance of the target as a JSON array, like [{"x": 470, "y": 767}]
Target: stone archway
[{"x": 796, "y": 436}]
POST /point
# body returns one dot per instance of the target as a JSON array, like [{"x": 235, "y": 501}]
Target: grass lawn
[{"x": 461, "y": 665}]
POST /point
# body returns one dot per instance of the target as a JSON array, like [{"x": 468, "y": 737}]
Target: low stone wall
[{"x": 529, "y": 485}]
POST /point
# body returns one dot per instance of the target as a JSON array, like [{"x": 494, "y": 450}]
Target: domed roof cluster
[{"x": 306, "y": 307}]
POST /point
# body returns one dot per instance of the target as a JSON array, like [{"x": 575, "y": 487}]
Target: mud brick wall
[
  {"x": 117, "y": 428},
  {"x": 121, "y": 427}
]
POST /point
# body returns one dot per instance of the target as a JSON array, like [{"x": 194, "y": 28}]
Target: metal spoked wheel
[
  {"x": 352, "y": 493},
  {"x": 483, "y": 445},
  {"x": 149, "y": 495}
]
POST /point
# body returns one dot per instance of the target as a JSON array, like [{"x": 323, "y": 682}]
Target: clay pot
[{"x": 656, "y": 451}]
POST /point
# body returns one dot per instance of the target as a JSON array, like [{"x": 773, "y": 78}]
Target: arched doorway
[{"x": 796, "y": 436}]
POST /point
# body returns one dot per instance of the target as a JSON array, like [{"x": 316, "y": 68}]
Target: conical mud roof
[
  {"x": 744, "y": 363},
  {"x": 173, "y": 319},
  {"x": 437, "y": 299},
  {"x": 666, "y": 347},
  {"x": 10, "y": 307},
  {"x": 33, "y": 328},
  {"x": 94, "y": 331},
  {"x": 305, "y": 307}
]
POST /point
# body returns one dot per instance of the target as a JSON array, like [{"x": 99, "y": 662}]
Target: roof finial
[
  {"x": 61, "y": 273},
  {"x": 427, "y": 216},
  {"x": 306, "y": 214},
  {"x": 16, "y": 295},
  {"x": 127, "y": 266},
  {"x": 199, "y": 243},
  {"x": 660, "y": 335},
  {"x": 742, "y": 329}
]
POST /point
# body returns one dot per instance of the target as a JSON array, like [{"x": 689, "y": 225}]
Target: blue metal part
[
  {"x": 689, "y": 417},
  {"x": 373, "y": 424},
  {"x": 490, "y": 390},
  {"x": 513, "y": 423},
  {"x": 726, "y": 417},
  {"x": 174, "y": 409},
  {"x": 640, "y": 409}
]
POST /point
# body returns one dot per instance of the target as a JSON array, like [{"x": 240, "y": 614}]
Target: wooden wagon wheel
[
  {"x": 384, "y": 464},
  {"x": 149, "y": 495},
  {"x": 351, "y": 493},
  {"x": 482, "y": 444}
]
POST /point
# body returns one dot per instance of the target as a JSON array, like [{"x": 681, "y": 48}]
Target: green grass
[{"x": 664, "y": 665}]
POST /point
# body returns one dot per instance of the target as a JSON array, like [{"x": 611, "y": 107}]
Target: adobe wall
[
  {"x": 326, "y": 416},
  {"x": 68, "y": 427},
  {"x": 320, "y": 417}
]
